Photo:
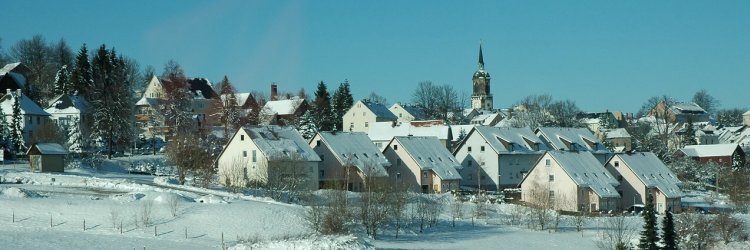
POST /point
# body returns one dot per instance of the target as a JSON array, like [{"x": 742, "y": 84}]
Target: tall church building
[{"x": 481, "y": 97}]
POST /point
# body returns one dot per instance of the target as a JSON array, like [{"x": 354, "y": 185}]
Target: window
[
  {"x": 30, "y": 120},
  {"x": 244, "y": 153},
  {"x": 242, "y": 137},
  {"x": 469, "y": 163},
  {"x": 317, "y": 143},
  {"x": 468, "y": 149},
  {"x": 38, "y": 120},
  {"x": 395, "y": 147},
  {"x": 398, "y": 176},
  {"x": 424, "y": 174},
  {"x": 255, "y": 156},
  {"x": 552, "y": 195},
  {"x": 547, "y": 162},
  {"x": 552, "y": 178},
  {"x": 617, "y": 164},
  {"x": 322, "y": 173},
  {"x": 367, "y": 124},
  {"x": 481, "y": 148}
]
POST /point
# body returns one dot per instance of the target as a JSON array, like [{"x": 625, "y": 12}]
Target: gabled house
[
  {"x": 489, "y": 119},
  {"x": 746, "y": 118},
  {"x": 13, "y": 76},
  {"x": 244, "y": 101},
  {"x": 422, "y": 164},
  {"x": 33, "y": 115},
  {"x": 381, "y": 133},
  {"x": 69, "y": 110},
  {"x": 284, "y": 112},
  {"x": 364, "y": 113},
  {"x": 347, "y": 158},
  {"x": 149, "y": 115},
  {"x": 495, "y": 158},
  {"x": 270, "y": 155},
  {"x": 47, "y": 157},
  {"x": 573, "y": 139},
  {"x": 407, "y": 113},
  {"x": 681, "y": 112},
  {"x": 570, "y": 181},
  {"x": 641, "y": 175},
  {"x": 618, "y": 138},
  {"x": 726, "y": 155}
]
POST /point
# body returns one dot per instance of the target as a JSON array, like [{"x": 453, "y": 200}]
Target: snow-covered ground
[{"x": 47, "y": 211}]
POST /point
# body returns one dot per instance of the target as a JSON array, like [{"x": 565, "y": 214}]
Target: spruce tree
[
  {"x": 62, "y": 80},
  {"x": 228, "y": 111},
  {"x": 668, "y": 234},
  {"x": 322, "y": 112},
  {"x": 74, "y": 137},
  {"x": 16, "y": 133},
  {"x": 689, "y": 131},
  {"x": 81, "y": 78},
  {"x": 342, "y": 101},
  {"x": 649, "y": 236},
  {"x": 306, "y": 126},
  {"x": 4, "y": 132}
]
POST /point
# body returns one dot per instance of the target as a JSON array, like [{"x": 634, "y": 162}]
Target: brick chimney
[{"x": 274, "y": 92}]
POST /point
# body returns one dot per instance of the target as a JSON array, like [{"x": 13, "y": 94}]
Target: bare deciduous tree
[{"x": 617, "y": 233}]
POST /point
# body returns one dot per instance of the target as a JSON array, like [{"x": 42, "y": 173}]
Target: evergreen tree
[
  {"x": 111, "y": 101},
  {"x": 228, "y": 111},
  {"x": 178, "y": 102},
  {"x": 74, "y": 143},
  {"x": 689, "y": 132},
  {"x": 649, "y": 236},
  {"x": 81, "y": 79},
  {"x": 668, "y": 233},
  {"x": 342, "y": 101},
  {"x": 306, "y": 126},
  {"x": 4, "y": 132},
  {"x": 62, "y": 80},
  {"x": 16, "y": 133},
  {"x": 322, "y": 112}
]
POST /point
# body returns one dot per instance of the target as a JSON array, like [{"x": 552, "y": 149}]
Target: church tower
[{"x": 481, "y": 97}]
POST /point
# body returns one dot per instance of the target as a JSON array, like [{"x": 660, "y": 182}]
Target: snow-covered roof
[
  {"x": 686, "y": 107},
  {"x": 652, "y": 172},
  {"x": 28, "y": 107},
  {"x": 709, "y": 150},
  {"x": 240, "y": 97},
  {"x": 616, "y": 133},
  {"x": 385, "y": 131},
  {"x": 201, "y": 88},
  {"x": 430, "y": 154},
  {"x": 746, "y": 113},
  {"x": 485, "y": 119},
  {"x": 511, "y": 140},
  {"x": 284, "y": 107},
  {"x": 145, "y": 101},
  {"x": 9, "y": 67},
  {"x": 456, "y": 130},
  {"x": 578, "y": 139},
  {"x": 48, "y": 149},
  {"x": 586, "y": 171},
  {"x": 380, "y": 110},
  {"x": 280, "y": 143},
  {"x": 356, "y": 148},
  {"x": 68, "y": 104}
]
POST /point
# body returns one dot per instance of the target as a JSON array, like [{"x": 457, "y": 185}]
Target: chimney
[
  {"x": 7, "y": 91},
  {"x": 274, "y": 91},
  {"x": 18, "y": 92}
]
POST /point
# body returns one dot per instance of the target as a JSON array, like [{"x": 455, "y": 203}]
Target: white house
[
  {"x": 347, "y": 158},
  {"x": 64, "y": 110},
  {"x": 271, "y": 155},
  {"x": 422, "y": 164},
  {"x": 641, "y": 175},
  {"x": 573, "y": 139},
  {"x": 570, "y": 181},
  {"x": 33, "y": 115},
  {"x": 364, "y": 113},
  {"x": 496, "y": 158},
  {"x": 407, "y": 113}
]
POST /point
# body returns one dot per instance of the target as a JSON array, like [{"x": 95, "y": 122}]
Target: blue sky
[{"x": 605, "y": 55}]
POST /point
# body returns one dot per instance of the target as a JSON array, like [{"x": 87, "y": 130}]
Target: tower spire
[{"x": 481, "y": 58}]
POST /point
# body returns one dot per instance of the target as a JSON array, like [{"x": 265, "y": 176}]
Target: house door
[
  {"x": 424, "y": 188},
  {"x": 593, "y": 207}
]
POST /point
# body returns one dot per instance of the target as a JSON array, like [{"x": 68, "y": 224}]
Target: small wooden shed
[{"x": 47, "y": 157}]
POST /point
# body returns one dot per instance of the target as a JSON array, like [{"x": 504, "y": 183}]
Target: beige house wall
[
  {"x": 746, "y": 119},
  {"x": 474, "y": 173},
  {"x": 401, "y": 113},
  {"x": 634, "y": 191},
  {"x": 405, "y": 170},
  {"x": 154, "y": 89},
  {"x": 358, "y": 118},
  {"x": 332, "y": 173}
]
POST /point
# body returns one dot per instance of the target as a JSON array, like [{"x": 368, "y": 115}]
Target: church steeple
[{"x": 481, "y": 97}]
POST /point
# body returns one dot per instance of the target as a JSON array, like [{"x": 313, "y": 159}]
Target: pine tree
[
  {"x": 689, "y": 132},
  {"x": 649, "y": 236},
  {"x": 668, "y": 234},
  {"x": 306, "y": 126},
  {"x": 4, "y": 132},
  {"x": 16, "y": 133},
  {"x": 81, "y": 79},
  {"x": 342, "y": 101},
  {"x": 322, "y": 112},
  {"x": 62, "y": 80},
  {"x": 228, "y": 111}
]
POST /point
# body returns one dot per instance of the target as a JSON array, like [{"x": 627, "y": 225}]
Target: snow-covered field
[{"x": 47, "y": 211}]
